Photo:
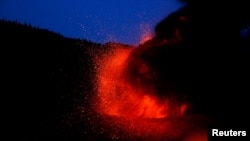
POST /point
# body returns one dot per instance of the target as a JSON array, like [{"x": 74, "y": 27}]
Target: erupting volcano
[
  {"x": 131, "y": 84},
  {"x": 167, "y": 87},
  {"x": 142, "y": 93},
  {"x": 137, "y": 98},
  {"x": 118, "y": 97},
  {"x": 180, "y": 82}
]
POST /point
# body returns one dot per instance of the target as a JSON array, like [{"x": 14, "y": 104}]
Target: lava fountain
[
  {"x": 117, "y": 97},
  {"x": 132, "y": 110}
]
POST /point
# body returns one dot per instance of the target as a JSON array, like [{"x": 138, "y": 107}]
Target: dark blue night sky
[{"x": 123, "y": 21}]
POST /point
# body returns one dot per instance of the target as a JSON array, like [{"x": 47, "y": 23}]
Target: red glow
[
  {"x": 135, "y": 111},
  {"x": 184, "y": 19},
  {"x": 117, "y": 97},
  {"x": 146, "y": 37},
  {"x": 146, "y": 33}
]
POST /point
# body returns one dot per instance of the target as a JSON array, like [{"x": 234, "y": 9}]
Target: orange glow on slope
[
  {"x": 146, "y": 34},
  {"x": 146, "y": 37}
]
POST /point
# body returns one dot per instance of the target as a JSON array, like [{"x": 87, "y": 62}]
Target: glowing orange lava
[
  {"x": 116, "y": 96},
  {"x": 133, "y": 113}
]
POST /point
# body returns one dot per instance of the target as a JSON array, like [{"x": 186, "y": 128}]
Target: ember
[
  {"x": 117, "y": 97},
  {"x": 141, "y": 113}
]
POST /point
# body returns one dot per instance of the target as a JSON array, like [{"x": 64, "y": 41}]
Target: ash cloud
[{"x": 197, "y": 53}]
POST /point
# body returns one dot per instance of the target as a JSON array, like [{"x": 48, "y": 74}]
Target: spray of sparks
[
  {"x": 129, "y": 113},
  {"x": 116, "y": 97},
  {"x": 146, "y": 33}
]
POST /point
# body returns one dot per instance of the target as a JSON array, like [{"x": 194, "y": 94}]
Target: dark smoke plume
[{"x": 193, "y": 54}]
